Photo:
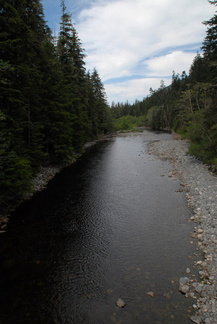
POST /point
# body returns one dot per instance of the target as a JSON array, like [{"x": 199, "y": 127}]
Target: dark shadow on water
[{"x": 110, "y": 226}]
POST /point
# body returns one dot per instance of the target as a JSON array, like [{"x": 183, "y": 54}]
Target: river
[{"x": 113, "y": 225}]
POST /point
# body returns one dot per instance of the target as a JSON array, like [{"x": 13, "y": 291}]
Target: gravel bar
[{"x": 200, "y": 186}]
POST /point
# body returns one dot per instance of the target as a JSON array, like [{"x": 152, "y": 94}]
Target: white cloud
[
  {"x": 132, "y": 89},
  {"x": 177, "y": 61},
  {"x": 141, "y": 37}
]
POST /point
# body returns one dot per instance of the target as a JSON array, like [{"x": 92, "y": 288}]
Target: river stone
[
  {"x": 184, "y": 289},
  {"x": 183, "y": 285},
  {"x": 120, "y": 303},
  {"x": 150, "y": 293},
  {"x": 196, "y": 319},
  {"x": 184, "y": 280},
  {"x": 198, "y": 287}
]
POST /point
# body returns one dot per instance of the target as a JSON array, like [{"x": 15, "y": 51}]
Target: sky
[{"x": 134, "y": 44}]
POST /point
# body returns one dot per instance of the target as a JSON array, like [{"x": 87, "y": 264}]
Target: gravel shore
[
  {"x": 41, "y": 180},
  {"x": 200, "y": 186}
]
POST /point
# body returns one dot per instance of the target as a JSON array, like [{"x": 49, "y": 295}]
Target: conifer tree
[
  {"x": 45, "y": 95},
  {"x": 103, "y": 113},
  {"x": 210, "y": 44},
  {"x": 24, "y": 35},
  {"x": 72, "y": 63}
]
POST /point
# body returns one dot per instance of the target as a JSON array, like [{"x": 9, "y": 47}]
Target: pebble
[
  {"x": 39, "y": 182},
  {"x": 120, "y": 303},
  {"x": 201, "y": 196},
  {"x": 196, "y": 319},
  {"x": 200, "y": 187},
  {"x": 150, "y": 293},
  {"x": 42, "y": 178}
]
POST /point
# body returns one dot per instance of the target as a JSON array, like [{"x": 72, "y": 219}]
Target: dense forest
[
  {"x": 49, "y": 104},
  {"x": 188, "y": 106}
]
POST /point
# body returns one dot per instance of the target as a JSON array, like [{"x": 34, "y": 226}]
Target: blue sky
[{"x": 134, "y": 44}]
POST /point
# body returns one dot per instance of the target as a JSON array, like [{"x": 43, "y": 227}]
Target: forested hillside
[
  {"x": 189, "y": 105},
  {"x": 49, "y": 104}
]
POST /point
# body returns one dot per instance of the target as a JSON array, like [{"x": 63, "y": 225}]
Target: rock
[
  {"x": 196, "y": 319},
  {"x": 183, "y": 280},
  {"x": 192, "y": 295},
  {"x": 203, "y": 274},
  {"x": 204, "y": 264},
  {"x": 198, "y": 262},
  {"x": 150, "y": 293},
  {"x": 184, "y": 289},
  {"x": 188, "y": 270},
  {"x": 120, "y": 303},
  {"x": 183, "y": 285},
  {"x": 198, "y": 287},
  {"x": 201, "y": 197},
  {"x": 208, "y": 321}
]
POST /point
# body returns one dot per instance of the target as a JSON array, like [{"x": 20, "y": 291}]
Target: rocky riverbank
[
  {"x": 41, "y": 179},
  {"x": 200, "y": 186},
  {"x": 39, "y": 182}
]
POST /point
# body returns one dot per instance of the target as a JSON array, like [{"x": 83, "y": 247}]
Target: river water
[{"x": 113, "y": 225}]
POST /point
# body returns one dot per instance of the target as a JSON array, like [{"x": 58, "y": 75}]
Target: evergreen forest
[
  {"x": 50, "y": 105},
  {"x": 188, "y": 106}
]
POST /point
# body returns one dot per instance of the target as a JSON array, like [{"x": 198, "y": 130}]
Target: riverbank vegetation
[
  {"x": 189, "y": 105},
  {"x": 129, "y": 123},
  {"x": 50, "y": 106}
]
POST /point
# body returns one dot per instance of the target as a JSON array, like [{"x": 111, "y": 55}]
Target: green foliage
[
  {"x": 154, "y": 118},
  {"x": 15, "y": 178},
  {"x": 188, "y": 105},
  {"x": 129, "y": 123},
  {"x": 203, "y": 150},
  {"x": 49, "y": 105},
  {"x": 15, "y": 171}
]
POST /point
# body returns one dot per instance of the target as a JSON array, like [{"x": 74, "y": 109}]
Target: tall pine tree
[
  {"x": 210, "y": 45},
  {"x": 24, "y": 36},
  {"x": 72, "y": 63},
  {"x": 102, "y": 111}
]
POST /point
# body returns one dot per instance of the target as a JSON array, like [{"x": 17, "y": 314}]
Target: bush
[
  {"x": 129, "y": 123},
  {"x": 204, "y": 151},
  {"x": 15, "y": 178}
]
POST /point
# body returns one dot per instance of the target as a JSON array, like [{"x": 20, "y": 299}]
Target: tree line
[
  {"x": 189, "y": 105},
  {"x": 49, "y": 104}
]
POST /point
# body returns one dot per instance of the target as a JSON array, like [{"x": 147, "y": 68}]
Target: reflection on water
[{"x": 111, "y": 226}]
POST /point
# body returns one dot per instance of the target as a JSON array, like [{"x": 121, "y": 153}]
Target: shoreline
[
  {"x": 42, "y": 178},
  {"x": 200, "y": 188},
  {"x": 199, "y": 185},
  {"x": 45, "y": 174}
]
